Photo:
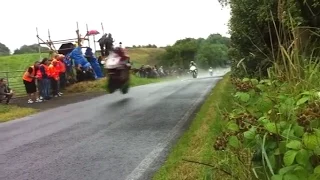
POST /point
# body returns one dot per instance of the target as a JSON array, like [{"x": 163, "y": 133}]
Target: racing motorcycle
[
  {"x": 211, "y": 72},
  {"x": 118, "y": 73},
  {"x": 193, "y": 71}
]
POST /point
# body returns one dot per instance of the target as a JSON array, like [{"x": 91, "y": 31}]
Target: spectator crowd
[
  {"x": 46, "y": 79},
  {"x": 42, "y": 81},
  {"x": 147, "y": 71}
]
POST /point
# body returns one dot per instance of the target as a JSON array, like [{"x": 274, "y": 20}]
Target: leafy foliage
[
  {"x": 282, "y": 130},
  {"x": 144, "y": 46},
  {"x": 4, "y": 50},
  {"x": 34, "y": 48},
  {"x": 259, "y": 28},
  {"x": 212, "y": 51},
  {"x": 273, "y": 131}
]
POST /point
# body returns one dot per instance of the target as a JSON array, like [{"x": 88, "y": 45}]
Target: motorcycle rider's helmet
[
  {"x": 192, "y": 62},
  {"x": 117, "y": 50}
]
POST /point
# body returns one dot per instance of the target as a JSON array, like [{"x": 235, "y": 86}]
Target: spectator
[
  {"x": 59, "y": 68},
  {"x": 142, "y": 71},
  {"x": 99, "y": 61},
  {"x": 62, "y": 75},
  {"x": 43, "y": 77},
  {"x": 29, "y": 82},
  {"x": 54, "y": 74},
  {"x": 38, "y": 84},
  {"x": 100, "y": 58},
  {"x": 69, "y": 70},
  {"x": 5, "y": 92}
]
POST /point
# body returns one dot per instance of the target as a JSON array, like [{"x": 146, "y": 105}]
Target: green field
[
  {"x": 12, "y": 67},
  {"x": 21, "y": 62}
]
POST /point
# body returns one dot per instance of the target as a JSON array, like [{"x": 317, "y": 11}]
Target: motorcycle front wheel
[
  {"x": 125, "y": 88},
  {"x": 110, "y": 85}
]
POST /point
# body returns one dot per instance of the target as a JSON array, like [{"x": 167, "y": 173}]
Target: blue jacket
[
  {"x": 76, "y": 54},
  {"x": 43, "y": 72}
]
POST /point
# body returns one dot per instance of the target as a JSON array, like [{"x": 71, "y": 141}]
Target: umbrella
[
  {"x": 66, "y": 48},
  {"x": 92, "y": 32}
]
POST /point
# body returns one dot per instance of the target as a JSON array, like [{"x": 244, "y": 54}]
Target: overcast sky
[{"x": 133, "y": 22}]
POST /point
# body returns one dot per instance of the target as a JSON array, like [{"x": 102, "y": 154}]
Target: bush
[
  {"x": 260, "y": 28},
  {"x": 273, "y": 131},
  {"x": 274, "y": 127}
]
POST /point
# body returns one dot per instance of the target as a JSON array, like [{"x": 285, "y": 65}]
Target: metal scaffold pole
[
  {"x": 102, "y": 29},
  {"x": 87, "y": 35},
  {"x": 78, "y": 35},
  {"x": 39, "y": 45}
]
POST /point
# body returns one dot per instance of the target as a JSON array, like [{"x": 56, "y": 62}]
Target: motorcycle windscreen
[
  {"x": 192, "y": 68},
  {"x": 112, "y": 61}
]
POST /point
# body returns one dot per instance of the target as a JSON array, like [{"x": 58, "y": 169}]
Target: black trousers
[
  {"x": 63, "y": 80},
  {"x": 7, "y": 98},
  {"x": 54, "y": 86}
]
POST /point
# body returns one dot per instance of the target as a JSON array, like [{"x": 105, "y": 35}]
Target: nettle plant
[{"x": 280, "y": 128}]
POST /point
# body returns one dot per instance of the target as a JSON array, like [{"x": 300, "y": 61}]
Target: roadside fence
[{"x": 15, "y": 82}]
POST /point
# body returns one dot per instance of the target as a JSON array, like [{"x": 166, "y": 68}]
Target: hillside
[{"x": 21, "y": 62}]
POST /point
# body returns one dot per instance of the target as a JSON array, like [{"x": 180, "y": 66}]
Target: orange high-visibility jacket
[
  {"x": 26, "y": 75},
  {"x": 53, "y": 72},
  {"x": 62, "y": 66}
]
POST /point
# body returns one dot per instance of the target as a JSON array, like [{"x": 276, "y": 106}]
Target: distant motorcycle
[
  {"x": 118, "y": 74},
  {"x": 211, "y": 72},
  {"x": 193, "y": 71}
]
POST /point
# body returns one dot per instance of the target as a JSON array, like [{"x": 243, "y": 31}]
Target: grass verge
[
  {"x": 9, "y": 112},
  {"x": 196, "y": 144}
]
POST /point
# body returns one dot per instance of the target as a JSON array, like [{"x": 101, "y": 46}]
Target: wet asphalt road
[{"x": 112, "y": 137}]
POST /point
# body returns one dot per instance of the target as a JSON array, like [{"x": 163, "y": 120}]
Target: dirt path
[{"x": 56, "y": 102}]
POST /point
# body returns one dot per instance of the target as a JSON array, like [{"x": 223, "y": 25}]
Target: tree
[
  {"x": 212, "y": 51},
  {"x": 218, "y": 39},
  {"x": 213, "y": 55},
  {"x": 34, "y": 48},
  {"x": 182, "y": 52},
  {"x": 260, "y": 29},
  {"x": 145, "y": 46},
  {"x": 4, "y": 50}
]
